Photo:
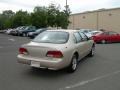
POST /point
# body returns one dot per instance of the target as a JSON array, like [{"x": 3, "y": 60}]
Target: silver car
[{"x": 56, "y": 49}]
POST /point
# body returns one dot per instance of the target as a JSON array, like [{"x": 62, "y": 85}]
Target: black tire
[
  {"x": 92, "y": 52},
  {"x": 73, "y": 65},
  {"x": 24, "y": 35},
  {"x": 18, "y": 34},
  {"x": 27, "y": 34}
]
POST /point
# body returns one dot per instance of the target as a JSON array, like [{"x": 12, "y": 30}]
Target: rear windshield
[
  {"x": 99, "y": 33},
  {"x": 94, "y": 33},
  {"x": 56, "y": 37}
]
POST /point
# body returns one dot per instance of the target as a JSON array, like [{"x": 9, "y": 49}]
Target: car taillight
[
  {"x": 54, "y": 54},
  {"x": 23, "y": 51}
]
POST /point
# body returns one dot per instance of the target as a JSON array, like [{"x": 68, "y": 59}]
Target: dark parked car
[
  {"x": 38, "y": 31},
  {"x": 16, "y": 31},
  {"x": 24, "y": 32},
  {"x": 9, "y": 31},
  {"x": 106, "y": 37}
]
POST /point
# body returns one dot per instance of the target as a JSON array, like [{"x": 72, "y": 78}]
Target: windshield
[
  {"x": 56, "y": 37},
  {"x": 38, "y": 30},
  {"x": 26, "y": 28},
  {"x": 23, "y": 27}
]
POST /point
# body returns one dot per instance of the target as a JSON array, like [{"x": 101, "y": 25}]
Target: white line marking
[
  {"x": 89, "y": 81},
  {"x": 11, "y": 39}
]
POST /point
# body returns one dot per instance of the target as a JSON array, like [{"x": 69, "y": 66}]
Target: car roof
[
  {"x": 96, "y": 31},
  {"x": 65, "y": 30}
]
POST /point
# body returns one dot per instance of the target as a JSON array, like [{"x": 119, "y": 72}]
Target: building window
[
  {"x": 110, "y": 14},
  {"x": 84, "y": 17}
]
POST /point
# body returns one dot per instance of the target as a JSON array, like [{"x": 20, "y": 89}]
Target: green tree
[
  {"x": 52, "y": 15},
  {"x": 66, "y": 17},
  {"x": 5, "y": 19},
  {"x": 39, "y": 17},
  {"x": 1, "y": 22},
  {"x": 61, "y": 20},
  {"x": 8, "y": 13},
  {"x": 21, "y": 18},
  {"x": 57, "y": 18}
]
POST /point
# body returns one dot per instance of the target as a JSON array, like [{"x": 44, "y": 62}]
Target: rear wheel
[
  {"x": 103, "y": 41},
  {"x": 92, "y": 52},
  {"x": 73, "y": 66}
]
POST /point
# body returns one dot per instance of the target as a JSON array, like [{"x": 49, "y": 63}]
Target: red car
[{"x": 106, "y": 37}]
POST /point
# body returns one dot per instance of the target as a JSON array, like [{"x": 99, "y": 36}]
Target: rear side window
[
  {"x": 112, "y": 33},
  {"x": 105, "y": 33},
  {"x": 84, "y": 37},
  {"x": 56, "y": 37},
  {"x": 78, "y": 37}
]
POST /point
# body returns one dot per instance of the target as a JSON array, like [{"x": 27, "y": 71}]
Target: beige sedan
[{"x": 56, "y": 49}]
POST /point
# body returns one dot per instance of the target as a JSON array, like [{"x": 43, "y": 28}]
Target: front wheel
[
  {"x": 73, "y": 65},
  {"x": 27, "y": 34},
  {"x": 24, "y": 35}
]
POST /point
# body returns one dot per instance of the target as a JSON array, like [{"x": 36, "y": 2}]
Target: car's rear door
[
  {"x": 87, "y": 43},
  {"x": 105, "y": 36}
]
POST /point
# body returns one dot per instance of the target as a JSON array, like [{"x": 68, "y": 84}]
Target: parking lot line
[
  {"x": 11, "y": 39},
  {"x": 90, "y": 81},
  {"x": 1, "y": 47}
]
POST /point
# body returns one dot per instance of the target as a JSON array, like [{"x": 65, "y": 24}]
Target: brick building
[{"x": 108, "y": 19}]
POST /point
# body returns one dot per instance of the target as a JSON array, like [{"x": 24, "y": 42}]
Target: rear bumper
[
  {"x": 13, "y": 33},
  {"x": 53, "y": 64},
  {"x": 31, "y": 36}
]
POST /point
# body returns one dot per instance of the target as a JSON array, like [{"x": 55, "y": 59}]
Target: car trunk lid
[{"x": 40, "y": 50}]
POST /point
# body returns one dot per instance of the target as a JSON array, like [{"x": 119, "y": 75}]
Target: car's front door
[
  {"x": 113, "y": 37},
  {"x": 80, "y": 46}
]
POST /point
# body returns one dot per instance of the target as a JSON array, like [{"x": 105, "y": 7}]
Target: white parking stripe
[
  {"x": 1, "y": 47},
  {"x": 11, "y": 39},
  {"x": 89, "y": 81}
]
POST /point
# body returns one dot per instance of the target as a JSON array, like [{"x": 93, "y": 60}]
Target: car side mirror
[{"x": 89, "y": 38}]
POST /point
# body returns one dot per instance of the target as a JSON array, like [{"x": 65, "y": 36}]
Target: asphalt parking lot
[{"x": 101, "y": 72}]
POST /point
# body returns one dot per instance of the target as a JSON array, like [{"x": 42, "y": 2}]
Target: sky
[{"x": 76, "y": 6}]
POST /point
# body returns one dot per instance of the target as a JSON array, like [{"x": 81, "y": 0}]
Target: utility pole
[
  {"x": 66, "y": 6},
  {"x": 97, "y": 25},
  {"x": 67, "y": 13}
]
